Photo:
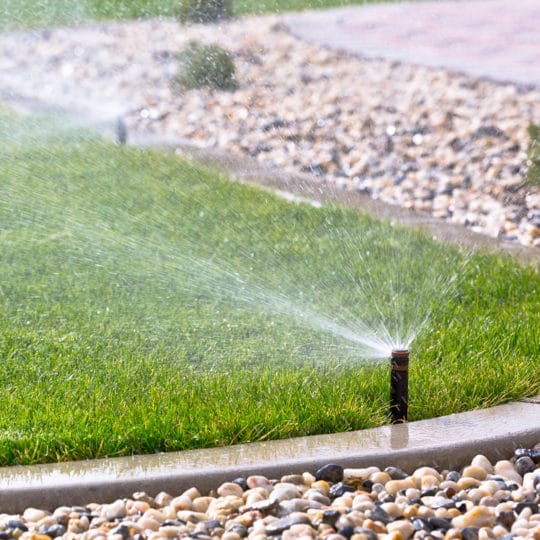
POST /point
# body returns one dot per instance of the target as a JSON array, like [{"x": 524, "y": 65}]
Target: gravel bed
[
  {"x": 421, "y": 138},
  {"x": 483, "y": 501}
]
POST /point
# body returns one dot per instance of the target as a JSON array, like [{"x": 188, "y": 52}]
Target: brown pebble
[
  {"x": 34, "y": 514},
  {"x": 474, "y": 471},
  {"x": 375, "y": 526},
  {"x": 297, "y": 479},
  {"x": 256, "y": 481},
  {"x": 483, "y": 462},
  {"x": 201, "y": 504},
  {"x": 181, "y": 503},
  {"x": 299, "y": 531},
  {"x": 193, "y": 493},
  {"x": 230, "y": 488},
  {"x": 403, "y": 527},
  {"x": 477, "y": 517},
  {"x": 467, "y": 482},
  {"x": 393, "y": 486},
  {"x": 231, "y": 535},
  {"x": 149, "y": 523},
  {"x": 505, "y": 468},
  {"x": 78, "y": 525},
  {"x": 322, "y": 486},
  {"x": 163, "y": 498}
]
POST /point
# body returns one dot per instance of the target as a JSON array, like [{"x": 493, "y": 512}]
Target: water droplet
[{"x": 418, "y": 139}]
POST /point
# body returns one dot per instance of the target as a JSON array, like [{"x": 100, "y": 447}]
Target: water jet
[{"x": 399, "y": 384}]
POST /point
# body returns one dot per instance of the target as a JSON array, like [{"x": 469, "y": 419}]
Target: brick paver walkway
[{"x": 497, "y": 39}]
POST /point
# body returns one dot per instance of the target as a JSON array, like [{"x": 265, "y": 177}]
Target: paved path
[{"x": 497, "y": 39}]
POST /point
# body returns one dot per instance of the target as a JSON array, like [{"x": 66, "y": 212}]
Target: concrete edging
[{"x": 447, "y": 442}]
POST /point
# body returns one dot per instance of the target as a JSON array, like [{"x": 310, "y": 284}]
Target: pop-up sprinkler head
[{"x": 399, "y": 385}]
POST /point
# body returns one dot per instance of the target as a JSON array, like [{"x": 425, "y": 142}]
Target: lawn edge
[{"x": 447, "y": 442}]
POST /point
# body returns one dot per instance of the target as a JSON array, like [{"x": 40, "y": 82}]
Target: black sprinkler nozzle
[{"x": 399, "y": 385}]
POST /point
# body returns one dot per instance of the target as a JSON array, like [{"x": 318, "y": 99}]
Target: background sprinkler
[{"x": 399, "y": 385}]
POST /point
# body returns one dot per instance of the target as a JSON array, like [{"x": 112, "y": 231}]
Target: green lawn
[
  {"x": 148, "y": 304},
  {"x": 41, "y": 13}
]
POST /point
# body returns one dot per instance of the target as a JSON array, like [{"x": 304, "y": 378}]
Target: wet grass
[
  {"x": 149, "y": 304},
  {"x": 42, "y": 13}
]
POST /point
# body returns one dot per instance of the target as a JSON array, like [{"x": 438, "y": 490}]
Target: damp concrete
[
  {"x": 492, "y": 39},
  {"x": 447, "y": 442}
]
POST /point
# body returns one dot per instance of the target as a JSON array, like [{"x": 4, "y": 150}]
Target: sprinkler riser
[{"x": 399, "y": 385}]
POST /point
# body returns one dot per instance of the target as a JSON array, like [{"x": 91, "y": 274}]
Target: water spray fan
[{"x": 399, "y": 385}]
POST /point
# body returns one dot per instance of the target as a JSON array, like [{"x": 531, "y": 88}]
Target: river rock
[
  {"x": 533, "y": 453},
  {"x": 230, "y": 488},
  {"x": 284, "y": 491},
  {"x": 34, "y": 514},
  {"x": 316, "y": 495},
  {"x": 163, "y": 498},
  {"x": 290, "y": 506},
  {"x": 299, "y": 531},
  {"x": 482, "y": 461},
  {"x": 393, "y": 486},
  {"x": 280, "y": 525},
  {"x": 181, "y": 503},
  {"x": 296, "y": 479},
  {"x": 200, "y": 504},
  {"x": 148, "y": 523},
  {"x": 404, "y": 528},
  {"x": 261, "y": 505},
  {"x": 224, "y": 506},
  {"x": 506, "y": 470},
  {"x": 363, "y": 533},
  {"x": 115, "y": 510},
  {"x": 490, "y": 509},
  {"x": 259, "y": 481},
  {"x": 357, "y": 477},
  {"x": 524, "y": 465},
  {"x": 322, "y": 486},
  {"x": 395, "y": 473},
  {"x": 470, "y": 533},
  {"x": 330, "y": 473},
  {"x": 477, "y": 517},
  {"x": 475, "y": 471},
  {"x": 340, "y": 489},
  {"x": 16, "y": 524}
]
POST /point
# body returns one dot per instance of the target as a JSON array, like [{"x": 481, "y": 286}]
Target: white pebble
[{"x": 506, "y": 469}]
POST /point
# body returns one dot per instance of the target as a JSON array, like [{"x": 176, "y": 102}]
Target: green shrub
[
  {"x": 204, "y": 11},
  {"x": 205, "y": 65},
  {"x": 533, "y": 174}
]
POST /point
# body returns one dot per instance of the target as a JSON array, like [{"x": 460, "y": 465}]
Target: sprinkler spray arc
[{"x": 399, "y": 383}]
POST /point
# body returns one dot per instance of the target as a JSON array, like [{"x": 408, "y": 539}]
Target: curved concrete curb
[
  {"x": 488, "y": 39},
  {"x": 447, "y": 442}
]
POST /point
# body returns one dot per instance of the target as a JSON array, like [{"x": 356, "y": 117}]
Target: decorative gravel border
[{"x": 424, "y": 139}]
